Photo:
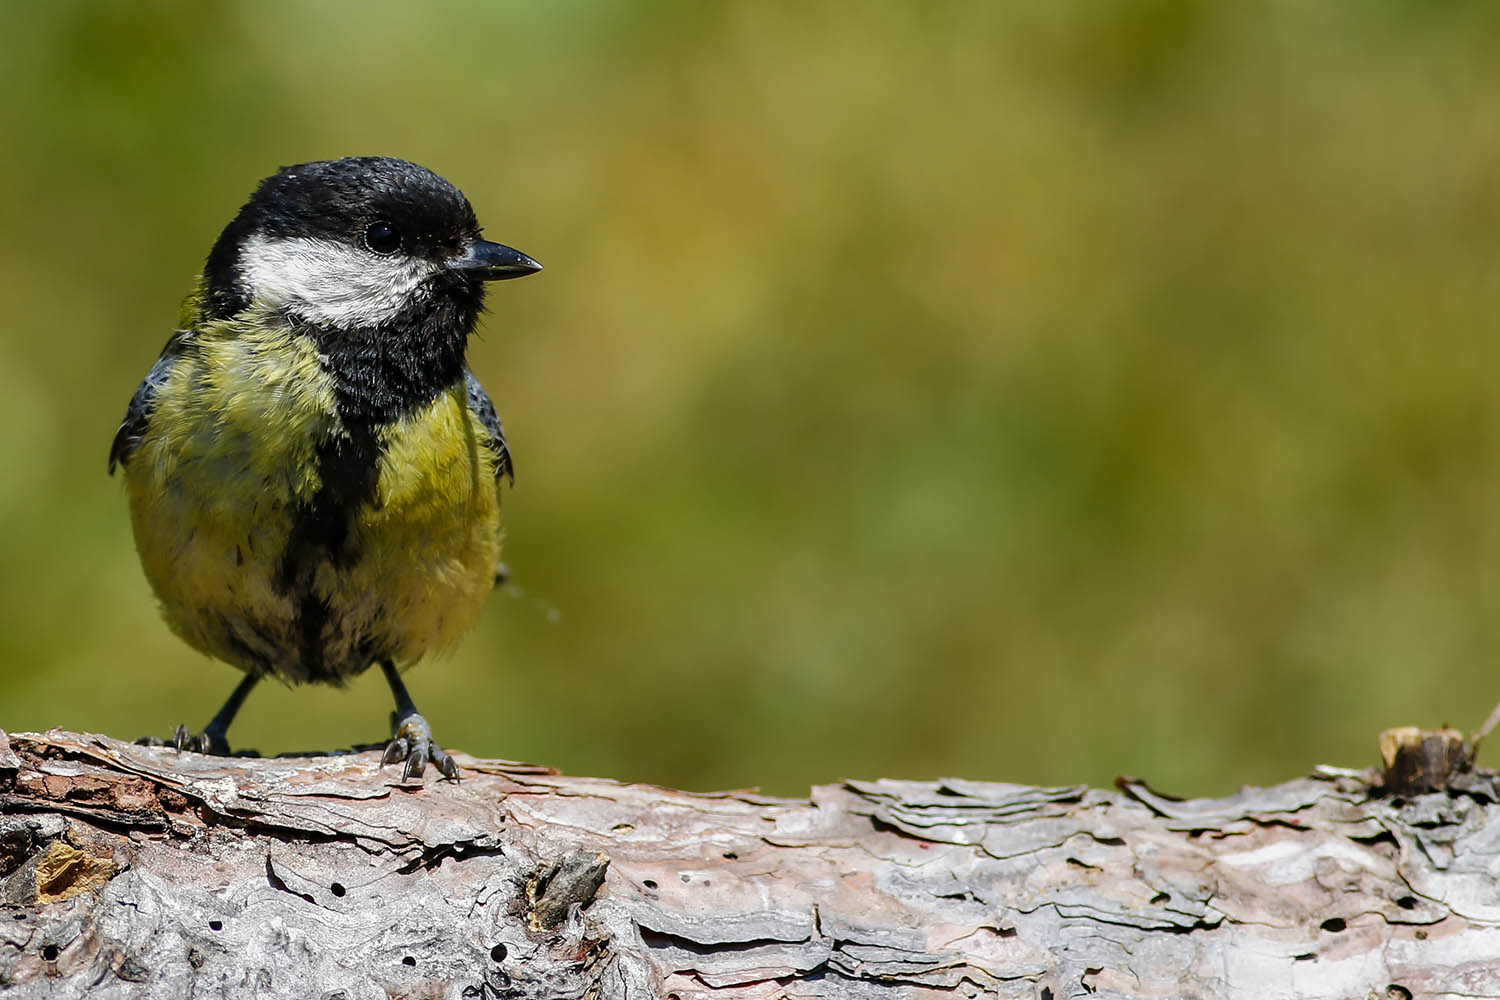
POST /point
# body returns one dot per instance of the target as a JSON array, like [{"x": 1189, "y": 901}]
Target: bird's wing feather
[
  {"x": 138, "y": 413},
  {"x": 481, "y": 406}
]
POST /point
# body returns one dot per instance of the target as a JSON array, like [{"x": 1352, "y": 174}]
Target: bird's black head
[{"x": 362, "y": 243}]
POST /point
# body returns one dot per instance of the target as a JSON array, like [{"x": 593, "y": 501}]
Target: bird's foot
[
  {"x": 413, "y": 744},
  {"x": 209, "y": 741}
]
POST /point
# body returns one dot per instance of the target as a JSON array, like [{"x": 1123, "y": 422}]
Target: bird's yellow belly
[
  {"x": 427, "y": 547},
  {"x": 215, "y": 503}
]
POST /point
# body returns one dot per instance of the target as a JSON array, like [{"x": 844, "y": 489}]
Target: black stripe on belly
[{"x": 348, "y": 466}]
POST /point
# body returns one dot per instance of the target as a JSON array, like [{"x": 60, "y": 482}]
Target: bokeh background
[{"x": 1031, "y": 391}]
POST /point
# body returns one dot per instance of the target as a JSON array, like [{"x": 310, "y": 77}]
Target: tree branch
[{"x": 133, "y": 872}]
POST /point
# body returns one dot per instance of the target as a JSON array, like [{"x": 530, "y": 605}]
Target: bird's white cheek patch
[{"x": 327, "y": 283}]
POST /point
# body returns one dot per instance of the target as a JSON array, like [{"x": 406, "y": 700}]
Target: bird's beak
[{"x": 493, "y": 262}]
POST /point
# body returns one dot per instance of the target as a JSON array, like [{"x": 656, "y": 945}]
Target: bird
[{"x": 313, "y": 472}]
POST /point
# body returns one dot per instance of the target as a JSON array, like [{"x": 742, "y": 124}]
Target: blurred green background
[{"x": 1029, "y": 391}]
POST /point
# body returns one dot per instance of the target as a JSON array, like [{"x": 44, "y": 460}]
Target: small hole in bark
[
  {"x": 1407, "y": 902},
  {"x": 731, "y": 856},
  {"x": 650, "y": 883},
  {"x": 216, "y": 925},
  {"x": 338, "y": 888},
  {"x": 1161, "y": 899},
  {"x": 498, "y": 953},
  {"x": 1397, "y": 992},
  {"x": 1307, "y": 957},
  {"x": 1419, "y": 935},
  {"x": 621, "y": 828},
  {"x": 1334, "y": 924},
  {"x": 49, "y": 952},
  {"x": 1046, "y": 993},
  {"x": 409, "y": 960}
]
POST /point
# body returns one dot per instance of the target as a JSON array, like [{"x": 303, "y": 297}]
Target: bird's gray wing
[
  {"x": 481, "y": 407},
  {"x": 138, "y": 413}
]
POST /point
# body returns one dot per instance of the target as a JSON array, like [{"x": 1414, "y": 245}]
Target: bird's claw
[
  {"x": 413, "y": 744},
  {"x": 207, "y": 741}
]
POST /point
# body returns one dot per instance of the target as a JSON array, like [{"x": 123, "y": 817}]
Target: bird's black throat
[{"x": 382, "y": 374}]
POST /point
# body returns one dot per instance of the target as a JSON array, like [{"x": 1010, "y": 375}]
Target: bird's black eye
[{"x": 382, "y": 238}]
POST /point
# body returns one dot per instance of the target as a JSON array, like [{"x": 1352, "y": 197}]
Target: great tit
[{"x": 313, "y": 472}]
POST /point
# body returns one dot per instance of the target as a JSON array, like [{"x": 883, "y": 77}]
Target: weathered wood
[{"x": 143, "y": 872}]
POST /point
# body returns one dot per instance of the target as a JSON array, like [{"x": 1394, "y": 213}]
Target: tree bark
[{"x": 144, "y": 872}]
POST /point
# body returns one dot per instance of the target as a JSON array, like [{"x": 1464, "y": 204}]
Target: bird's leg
[
  {"x": 412, "y": 739},
  {"x": 214, "y": 738}
]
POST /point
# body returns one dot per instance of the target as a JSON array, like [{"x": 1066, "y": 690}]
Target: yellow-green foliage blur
[{"x": 1025, "y": 391}]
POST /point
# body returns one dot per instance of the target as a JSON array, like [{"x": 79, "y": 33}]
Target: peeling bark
[{"x": 143, "y": 872}]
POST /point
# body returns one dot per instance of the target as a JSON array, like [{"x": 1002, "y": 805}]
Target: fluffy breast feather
[
  {"x": 428, "y": 544},
  {"x": 226, "y": 458}
]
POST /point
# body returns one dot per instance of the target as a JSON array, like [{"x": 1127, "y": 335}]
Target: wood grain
[{"x": 144, "y": 872}]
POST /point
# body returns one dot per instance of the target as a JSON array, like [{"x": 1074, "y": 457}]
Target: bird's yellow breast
[
  {"x": 429, "y": 543},
  {"x": 229, "y": 463}
]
